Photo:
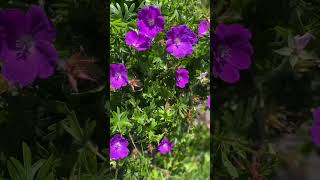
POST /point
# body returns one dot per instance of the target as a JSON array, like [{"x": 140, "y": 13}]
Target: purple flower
[
  {"x": 165, "y": 146},
  {"x": 150, "y": 21},
  {"x": 118, "y": 147},
  {"x": 118, "y": 76},
  {"x": 137, "y": 41},
  {"x": 26, "y": 45},
  {"x": 182, "y": 77},
  {"x": 204, "y": 27},
  {"x": 180, "y": 41},
  {"x": 208, "y": 102},
  {"x": 232, "y": 51},
  {"x": 315, "y": 130}
]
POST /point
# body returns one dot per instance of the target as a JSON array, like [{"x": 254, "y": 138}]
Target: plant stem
[{"x": 134, "y": 143}]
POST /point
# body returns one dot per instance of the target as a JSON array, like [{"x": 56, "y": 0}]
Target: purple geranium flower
[
  {"x": 165, "y": 146},
  {"x": 150, "y": 21},
  {"x": 204, "y": 27},
  {"x": 180, "y": 41},
  {"x": 137, "y": 41},
  {"x": 315, "y": 130},
  {"x": 118, "y": 147},
  {"x": 118, "y": 75},
  {"x": 232, "y": 51},
  {"x": 208, "y": 102},
  {"x": 26, "y": 45},
  {"x": 182, "y": 77}
]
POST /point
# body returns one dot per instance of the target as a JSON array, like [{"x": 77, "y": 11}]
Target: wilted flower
[
  {"x": 182, "y": 78},
  {"x": 118, "y": 76},
  {"x": 295, "y": 50},
  {"x": 300, "y": 42},
  {"x": 135, "y": 85},
  {"x": 204, "y": 27},
  {"x": 138, "y": 41},
  {"x": 315, "y": 130},
  {"x": 150, "y": 21},
  {"x": 180, "y": 41},
  {"x": 165, "y": 146},
  {"x": 79, "y": 68},
  {"x": 150, "y": 148},
  {"x": 26, "y": 45},
  {"x": 118, "y": 147},
  {"x": 232, "y": 51}
]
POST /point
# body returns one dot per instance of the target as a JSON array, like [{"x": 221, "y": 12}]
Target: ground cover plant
[
  {"x": 266, "y": 89},
  {"x": 159, "y": 88},
  {"x": 53, "y": 90}
]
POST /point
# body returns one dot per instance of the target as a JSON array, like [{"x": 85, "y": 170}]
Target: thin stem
[
  {"x": 133, "y": 143},
  {"x": 96, "y": 152}
]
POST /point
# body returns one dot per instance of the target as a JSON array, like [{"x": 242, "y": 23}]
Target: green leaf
[
  {"x": 293, "y": 60},
  {"x": 26, "y": 157},
  {"x": 16, "y": 169},
  {"x": 119, "y": 10},
  {"x": 13, "y": 172},
  {"x": 230, "y": 167},
  {"x": 72, "y": 126},
  {"x": 35, "y": 167},
  {"x": 285, "y": 51},
  {"x": 126, "y": 12},
  {"x": 131, "y": 9},
  {"x": 45, "y": 172}
]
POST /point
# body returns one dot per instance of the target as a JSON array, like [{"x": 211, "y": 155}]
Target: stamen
[
  {"x": 151, "y": 22},
  {"x": 177, "y": 41},
  {"x": 117, "y": 145},
  {"x": 23, "y": 46},
  {"x": 118, "y": 75}
]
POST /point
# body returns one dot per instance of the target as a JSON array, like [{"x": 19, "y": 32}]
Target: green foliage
[{"x": 42, "y": 169}]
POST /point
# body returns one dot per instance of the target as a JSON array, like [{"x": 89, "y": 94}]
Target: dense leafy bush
[{"x": 148, "y": 105}]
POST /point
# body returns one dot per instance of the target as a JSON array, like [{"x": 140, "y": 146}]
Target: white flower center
[
  {"x": 177, "y": 41},
  {"x": 117, "y": 145},
  {"x": 118, "y": 75},
  {"x": 151, "y": 22}
]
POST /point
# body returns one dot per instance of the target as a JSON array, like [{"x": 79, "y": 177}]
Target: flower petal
[
  {"x": 39, "y": 25},
  {"x": 20, "y": 71},
  {"x": 240, "y": 57},
  {"x": 227, "y": 73},
  {"x": 180, "y": 51}
]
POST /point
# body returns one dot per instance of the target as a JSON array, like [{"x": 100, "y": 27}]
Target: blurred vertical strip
[
  {"x": 107, "y": 65},
  {"x": 213, "y": 23}
]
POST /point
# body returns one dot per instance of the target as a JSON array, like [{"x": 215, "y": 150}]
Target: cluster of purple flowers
[
  {"x": 119, "y": 147},
  {"x": 26, "y": 45},
  {"x": 180, "y": 42},
  {"x": 180, "y": 39},
  {"x": 150, "y": 24}
]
